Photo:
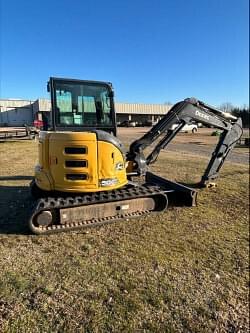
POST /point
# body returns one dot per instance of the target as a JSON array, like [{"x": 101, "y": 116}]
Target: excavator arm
[{"x": 182, "y": 113}]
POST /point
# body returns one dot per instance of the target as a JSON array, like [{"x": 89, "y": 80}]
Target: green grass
[{"x": 182, "y": 271}]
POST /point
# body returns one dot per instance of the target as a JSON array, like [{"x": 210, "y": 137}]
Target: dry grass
[{"x": 181, "y": 271}]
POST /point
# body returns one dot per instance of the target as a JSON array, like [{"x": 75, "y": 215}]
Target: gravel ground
[
  {"x": 199, "y": 144},
  {"x": 206, "y": 151}
]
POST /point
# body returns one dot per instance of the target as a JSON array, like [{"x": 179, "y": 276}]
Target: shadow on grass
[
  {"x": 15, "y": 208},
  {"x": 16, "y": 177},
  {"x": 242, "y": 146},
  {"x": 197, "y": 143},
  {"x": 193, "y": 185},
  {"x": 14, "y": 140}
]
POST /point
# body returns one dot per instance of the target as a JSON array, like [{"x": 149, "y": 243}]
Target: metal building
[
  {"x": 139, "y": 112},
  {"x": 15, "y": 112}
]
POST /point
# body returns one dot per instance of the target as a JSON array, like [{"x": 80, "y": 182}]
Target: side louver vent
[
  {"x": 76, "y": 176},
  {"x": 75, "y": 150},
  {"x": 76, "y": 164}
]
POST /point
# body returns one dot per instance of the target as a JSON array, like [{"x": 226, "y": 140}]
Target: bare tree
[{"x": 226, "y": 107}]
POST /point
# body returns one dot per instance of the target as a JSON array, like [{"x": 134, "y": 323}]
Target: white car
[{"x": 187, "y": 128}]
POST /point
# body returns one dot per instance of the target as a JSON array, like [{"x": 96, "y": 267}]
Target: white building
[{"x": 15, "y": 112}]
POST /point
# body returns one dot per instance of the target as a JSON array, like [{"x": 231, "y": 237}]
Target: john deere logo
[{"x": 202, "y": 115}]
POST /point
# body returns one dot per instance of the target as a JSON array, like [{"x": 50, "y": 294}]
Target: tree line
[{"x": 242, "y": 112}]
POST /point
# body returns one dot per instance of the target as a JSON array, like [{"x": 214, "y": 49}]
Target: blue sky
[{"x": 152, "y": 51}]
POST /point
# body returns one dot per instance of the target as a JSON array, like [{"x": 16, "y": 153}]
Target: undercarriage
[{"x": 60, "y": 213}]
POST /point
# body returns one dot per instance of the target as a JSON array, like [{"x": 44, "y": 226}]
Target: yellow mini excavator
[{"x": 86, "y": 178}]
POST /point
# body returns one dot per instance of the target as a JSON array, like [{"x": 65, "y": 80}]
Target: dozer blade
[{"x": 177, "y": 193}]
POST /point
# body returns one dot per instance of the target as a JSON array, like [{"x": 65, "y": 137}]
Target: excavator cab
[
  {"x": 80, "y": 106},
  {"x": 80, "y": 152}
]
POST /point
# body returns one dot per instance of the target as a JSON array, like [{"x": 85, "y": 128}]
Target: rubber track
[{"x": 55, "y": 204}]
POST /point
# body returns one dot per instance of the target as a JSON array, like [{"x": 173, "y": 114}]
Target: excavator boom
[{"x": 183, "y": 113}]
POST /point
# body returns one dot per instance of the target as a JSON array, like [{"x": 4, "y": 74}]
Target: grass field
[{"x": 182, "y": 271}]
